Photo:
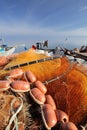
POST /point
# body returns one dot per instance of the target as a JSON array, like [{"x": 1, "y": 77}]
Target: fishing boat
[
  {"x": 5, "y": 51},
  {"x": 75, "y": 55},
  {"x": 42, "y": 48}
]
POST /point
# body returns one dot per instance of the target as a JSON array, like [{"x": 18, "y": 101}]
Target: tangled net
[{"x": 66, "y": 82}]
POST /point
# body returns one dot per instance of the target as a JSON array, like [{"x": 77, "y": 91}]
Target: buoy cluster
[{"x": 19, "y": 81}]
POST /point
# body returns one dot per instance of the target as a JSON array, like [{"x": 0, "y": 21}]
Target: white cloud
[
  {"x": 83, "y": 8},
  {"x": 30, "y": 34},
  {"x": 76, "y": 32},
  {"x": 23, "y": 29}
]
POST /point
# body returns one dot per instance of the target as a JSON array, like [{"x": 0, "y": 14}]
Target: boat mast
[{"x": 1, "y": 41}]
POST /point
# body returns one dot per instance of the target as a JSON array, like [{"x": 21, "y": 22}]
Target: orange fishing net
[{"x": 69, "y": 90}]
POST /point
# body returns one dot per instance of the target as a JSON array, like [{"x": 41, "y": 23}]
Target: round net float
[
  {"x": 29, "y": 76},
  {"x": 41, "y": 86},
  {"x": 69, "y": 126},
  {"x": 48, "y": 116},
  {"x": 4, "y": 85},
  {"x": 15, "y": 74},
  {"x": 50, "y": 100},
  {"x": 37, "y": 96},
  {"x": 20, "y": 86},
  {"x": 62, "y": 116}
]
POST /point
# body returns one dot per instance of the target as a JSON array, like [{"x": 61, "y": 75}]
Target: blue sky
[{"x": 31, "y": 21}]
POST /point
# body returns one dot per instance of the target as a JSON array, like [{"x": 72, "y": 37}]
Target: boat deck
[
  {"x": 81, "y": 55},
  {"x": 84, "y": 54}
]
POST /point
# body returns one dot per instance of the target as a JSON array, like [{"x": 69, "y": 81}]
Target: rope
[
  {"x": 14, "y": 116},
  {"x": 33, "y": 62},
  {"x": 60, "y": 76}
]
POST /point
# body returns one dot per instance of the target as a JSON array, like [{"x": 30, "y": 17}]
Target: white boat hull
[
  {"x": 45, "y": 52},
  {"x": 8, "y": 52}
]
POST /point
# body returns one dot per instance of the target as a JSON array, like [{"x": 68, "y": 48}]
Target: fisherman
[
  {"x": 39, "y": 45},
  {"x": 45, "y": 43}
]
